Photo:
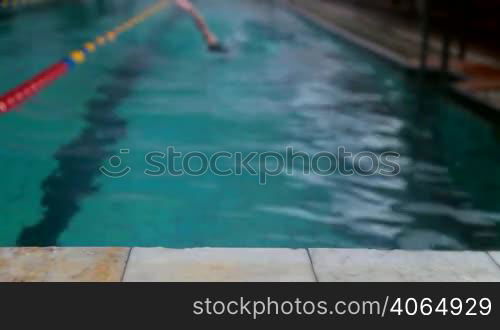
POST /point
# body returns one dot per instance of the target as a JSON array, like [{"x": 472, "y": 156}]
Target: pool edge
[{"x": 117, "y": 264}]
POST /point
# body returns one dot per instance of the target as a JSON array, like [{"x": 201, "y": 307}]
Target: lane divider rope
[{"x": 24, "y": 91}]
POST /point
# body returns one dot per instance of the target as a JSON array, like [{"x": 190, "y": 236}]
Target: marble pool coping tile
[
  {"x": 224, "y": 265},
  {"x": 403, "y": 266},
  {"x": 496, "y": 257},
  {"x": 62, "y": 264}
]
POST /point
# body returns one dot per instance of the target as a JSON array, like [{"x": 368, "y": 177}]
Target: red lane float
[
  {"x": 23, "y": 92},
  {"x": 18, "y": 95}
]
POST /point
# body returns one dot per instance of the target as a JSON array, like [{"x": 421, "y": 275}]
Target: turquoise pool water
[{"x": 284, "y": 83}]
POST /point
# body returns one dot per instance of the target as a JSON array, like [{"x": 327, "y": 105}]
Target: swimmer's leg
[{"x": 210, "y": 38}]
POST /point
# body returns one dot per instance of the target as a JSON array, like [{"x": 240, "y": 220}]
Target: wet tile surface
[
  {"x": 227, "y": 265},
  {"x": 62, "y": 264},
  {"x": 371, "y": 265}
]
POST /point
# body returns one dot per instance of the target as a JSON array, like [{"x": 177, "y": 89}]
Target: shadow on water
[{"x": 80, "y": 159}]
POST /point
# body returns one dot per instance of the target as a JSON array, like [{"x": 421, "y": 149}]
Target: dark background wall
[{"x": 478, "y": 21}]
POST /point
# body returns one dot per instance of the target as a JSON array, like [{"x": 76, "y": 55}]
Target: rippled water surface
[{"x": 284, "y": 83}]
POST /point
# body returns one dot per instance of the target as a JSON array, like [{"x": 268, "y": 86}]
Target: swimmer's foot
[{"x": 217, "y": 47}]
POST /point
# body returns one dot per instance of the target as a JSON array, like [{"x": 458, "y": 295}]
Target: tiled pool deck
[{"x": 245, "y": 265}]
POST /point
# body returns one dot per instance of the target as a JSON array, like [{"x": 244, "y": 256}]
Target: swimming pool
[{"x": 284, "y": 83}]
